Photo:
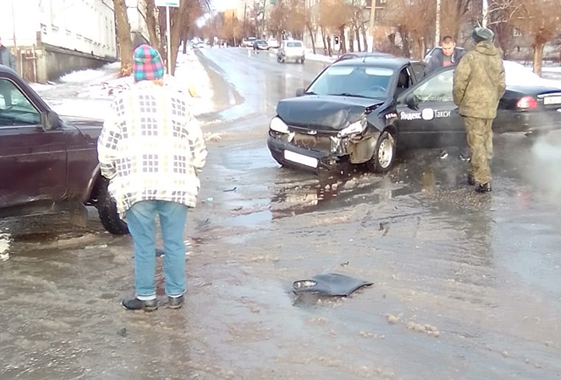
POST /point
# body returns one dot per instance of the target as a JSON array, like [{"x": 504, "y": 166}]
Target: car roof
[
  {"x": 6, "y": 70},
  {"x": 378, "y": 61}
]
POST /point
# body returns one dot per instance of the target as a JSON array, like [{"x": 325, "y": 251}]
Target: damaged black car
[{"x": 362, "y": 110}]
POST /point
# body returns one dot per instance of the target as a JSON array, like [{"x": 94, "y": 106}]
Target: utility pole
[
  {"x": 485, "y": 8},
  {"x": 372, "y": 18},
  {"x": 437, "y": 31}
]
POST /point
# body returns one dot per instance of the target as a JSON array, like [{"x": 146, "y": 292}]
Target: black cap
[{"x": 483, "y": 34}]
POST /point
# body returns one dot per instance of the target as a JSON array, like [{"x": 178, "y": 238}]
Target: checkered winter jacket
[{"x": 151, "y": 147}]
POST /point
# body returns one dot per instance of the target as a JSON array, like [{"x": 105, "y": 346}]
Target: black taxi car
[{"x": 362, "y": 110}]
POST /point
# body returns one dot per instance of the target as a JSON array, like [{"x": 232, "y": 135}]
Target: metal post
[
  {"x": 168, "y": 22},
  {"x": 372, "y": 18},
  {"x": 485, "y": 8},
  {"x": 437, "y": 31}
]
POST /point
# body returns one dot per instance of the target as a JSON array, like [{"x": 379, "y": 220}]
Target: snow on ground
[
  {"x": 4, "y": 247},
  {"x": 88, "y": 93}
]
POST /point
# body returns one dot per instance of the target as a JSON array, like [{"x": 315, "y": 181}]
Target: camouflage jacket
[{"x": 479, "y": 82}]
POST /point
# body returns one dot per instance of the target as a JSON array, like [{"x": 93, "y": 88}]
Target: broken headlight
[
  {"x": 278, "y": 125},
  {"x": 354, "y": 128}
]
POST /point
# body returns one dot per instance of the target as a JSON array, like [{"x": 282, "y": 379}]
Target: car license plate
[
  {"x": 552, "y": 100},
  {"x": 301, "y": 159}
]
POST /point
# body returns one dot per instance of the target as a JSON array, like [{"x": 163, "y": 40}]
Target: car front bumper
[{"x": 292, "y": 155}]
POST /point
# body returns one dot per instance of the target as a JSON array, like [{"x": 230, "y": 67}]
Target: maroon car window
[{"x": 15, "y": 108}]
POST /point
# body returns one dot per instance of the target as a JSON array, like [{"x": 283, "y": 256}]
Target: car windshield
[
  {"x": 293, "y": 44},
  {"x": 363, "y": 81}
]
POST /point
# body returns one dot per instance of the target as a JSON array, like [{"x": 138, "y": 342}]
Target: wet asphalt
[{"x": 466, "y": 286}]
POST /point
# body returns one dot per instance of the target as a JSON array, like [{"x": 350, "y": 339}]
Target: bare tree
[
  {"x": 152, "y": 24},
  {"x": 123, "y": 37},
  {"x": 454, "y": 14},
  {"x": 311, "y": 19},
  {"x": 415, "y": 23},
  {"x": 183, "y": 18},
  {"x": 335, "y": 15},
  {"x": 539, "y": 19},
  {"x": 296, "y": 20}
]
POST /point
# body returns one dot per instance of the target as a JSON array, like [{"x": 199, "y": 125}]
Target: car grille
[{"x": 319, "y": 143}]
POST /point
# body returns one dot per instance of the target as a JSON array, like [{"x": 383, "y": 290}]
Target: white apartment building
[{"x": 53, "y": 37}]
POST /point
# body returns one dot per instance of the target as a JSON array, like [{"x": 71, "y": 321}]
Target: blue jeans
[{"x": 141, "y": 220}]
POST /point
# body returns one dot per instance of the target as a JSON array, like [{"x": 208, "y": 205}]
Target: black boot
[
  {"x": 485, "y": 188},
  {"x": 471, "y": 180},
  {"x": 136, "y": 304},
  {"x": 175, "y": 302}
]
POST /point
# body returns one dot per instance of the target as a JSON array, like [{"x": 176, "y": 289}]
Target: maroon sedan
[{"x": 47, "y": 163}]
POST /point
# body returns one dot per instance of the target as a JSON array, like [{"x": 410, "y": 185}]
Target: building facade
[{"x": 53, "y": 37}]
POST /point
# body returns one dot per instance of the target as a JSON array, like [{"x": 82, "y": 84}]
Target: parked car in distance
[
  {"x": 291, "y": 50},
  {"x": 260, "y": 45},
  {"x": 273, "y": 43},
  {"x": 248, "y": 42},
  {"x": 48, "y": 164}
]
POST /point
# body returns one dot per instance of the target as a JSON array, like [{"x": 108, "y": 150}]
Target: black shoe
[
  {"x": 175, "y": 302},
  {"x": 471, "y": 180},
  {"x": 136, "y": 304},
  {"x": 485, "y": 188}
]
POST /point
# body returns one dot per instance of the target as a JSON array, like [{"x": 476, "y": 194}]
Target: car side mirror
[
  {"x": 300, "y": 92},
  {"x": 412, "y": 102},
  {"x": 49, "y": 120}
]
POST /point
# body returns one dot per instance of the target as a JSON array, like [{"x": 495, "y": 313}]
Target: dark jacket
[
  {"x": 437, "y": 59},
  {"x": 479, "y": 82},
  {"x": 6, "y": 58}
]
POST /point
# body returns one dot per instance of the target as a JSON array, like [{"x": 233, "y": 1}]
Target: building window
[
  {"x": 516, "y": 32},
  {"x": 382, "y": 1}
]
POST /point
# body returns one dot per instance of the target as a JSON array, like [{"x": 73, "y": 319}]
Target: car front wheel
[
  {"x": 384, "y": 154},
  {"x": 107, "y": 210}
]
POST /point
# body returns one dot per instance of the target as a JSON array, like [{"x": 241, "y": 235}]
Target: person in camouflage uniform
[{"x": 479, "y": 84}]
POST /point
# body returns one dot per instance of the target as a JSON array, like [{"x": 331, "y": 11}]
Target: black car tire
[
  {"x": 383, "y": 157},
  {"x": 107, "y": 210}
]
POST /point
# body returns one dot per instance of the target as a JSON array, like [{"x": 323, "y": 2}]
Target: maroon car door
[{"x": 32, "y": 160}]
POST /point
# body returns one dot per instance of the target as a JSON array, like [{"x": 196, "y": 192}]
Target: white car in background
[
  {"x": 291, "y": 50},
  {"x": 273, "y": 43}
]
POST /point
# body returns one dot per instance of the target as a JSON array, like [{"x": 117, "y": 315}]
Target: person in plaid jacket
[{"x": 152, "y": 150}]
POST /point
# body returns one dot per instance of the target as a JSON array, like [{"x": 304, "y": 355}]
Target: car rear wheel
[
  {"x": 107, "y": 210},
  {"x": 384, "y": 154}
]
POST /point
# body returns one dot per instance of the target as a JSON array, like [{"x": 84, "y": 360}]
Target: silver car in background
[{"x": 291, "y": 50}]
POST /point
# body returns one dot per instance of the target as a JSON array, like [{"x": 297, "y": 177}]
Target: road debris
[
  {"x": 330, "y": 284},
  {"x": 428, "y": 329}
]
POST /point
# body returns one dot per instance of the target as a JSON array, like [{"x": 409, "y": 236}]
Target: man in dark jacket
[
  {"x": 479, "y": 84},
  {"x": 448, "y": 54},
  {"x": 6, "y": 57}
]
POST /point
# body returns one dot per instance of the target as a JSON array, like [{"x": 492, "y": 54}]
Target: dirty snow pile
[
  {"x": 88, "y": 93},
  {"x": 4, "y": 247}
]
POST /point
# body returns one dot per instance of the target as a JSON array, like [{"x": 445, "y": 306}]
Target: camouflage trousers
[{"x": 479, "y": 135}]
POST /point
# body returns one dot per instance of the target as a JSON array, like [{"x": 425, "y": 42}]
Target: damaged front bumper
[{"x": 312, "y": 152}]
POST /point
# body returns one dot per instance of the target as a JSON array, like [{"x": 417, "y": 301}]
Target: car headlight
[
  {"x": 356, "y": 127},
  {"x": 278, "y": 125}
]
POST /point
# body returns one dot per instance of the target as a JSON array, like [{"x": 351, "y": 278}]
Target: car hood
[
  {"x": 89, "y": 128},
  {"x": 81, "y": 122},
  {"x": 324, "y": 112}
]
